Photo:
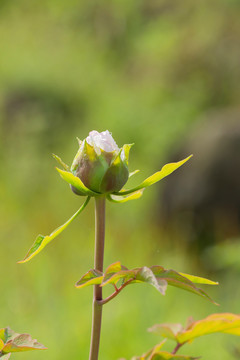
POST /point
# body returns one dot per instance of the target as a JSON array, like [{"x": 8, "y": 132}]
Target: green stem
[{"x": 98, "y": 265}]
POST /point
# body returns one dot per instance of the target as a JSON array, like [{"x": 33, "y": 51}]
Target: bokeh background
[{"x": 163, "y": 74}]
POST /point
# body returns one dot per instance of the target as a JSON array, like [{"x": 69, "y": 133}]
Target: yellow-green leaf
[
  {"x": 76, "y": 182},
  {"x": 165, "y": 171},
  {"x": 22, "y": 342},
  {"x": 92, "y": 277},
  {"x": 41, "y": 240},
  {"x": 59, "y": 160},
  {"x": 222, "y": 322},
  {"x": 198, "y": 279},
  {"x": 122, "y": 199}
]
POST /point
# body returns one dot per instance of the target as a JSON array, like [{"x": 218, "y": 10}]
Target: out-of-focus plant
[
  {"x": 11, "y": 342},
  {"x": 100, "y": 170}
]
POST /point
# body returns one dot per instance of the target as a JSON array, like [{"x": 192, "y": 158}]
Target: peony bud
[{"x": 100, "y": 164}]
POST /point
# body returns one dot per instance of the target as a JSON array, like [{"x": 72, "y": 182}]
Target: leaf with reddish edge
[
  {"x": 215, "y": 323},
  {"x": 221, "y": 322},
  {"x": 174, "y": 278},
  {"x": 156, "y": 276},
  {"x": 92, "y": 277},
  {"x": 22, "y": 342},
  {"x": 11, "y": 341}
]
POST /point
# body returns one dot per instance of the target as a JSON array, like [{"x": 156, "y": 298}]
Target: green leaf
[
  {"x": 215, "y": 323},
  {"x": 92, "y": 277},
  {"x": 59, "y": 160},
  {"x": 11, "y": 341},
  {"x": 199, "y": 280},
  {"x": 157, "y": 276},
  {"x": 146, "y": 275},
  {"x": 41, "y": 240},
  {"x": 174, "y": 278},
  {"x": 222, "y": 322},
  {"x": 165, "y": 171},
  {"x": 76, "y": 182},
  {"x": 22, "y": 342},
  {"x": 123, "y": 199}
]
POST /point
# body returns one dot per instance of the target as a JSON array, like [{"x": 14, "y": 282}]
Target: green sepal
[
  {"x": 41, "y": 240},
  {"x": 122, "y": 199},
  {"x": 59, "y": 160},
  {"x": 126, "y": 150},
  {"x": 76, "y": 183},
  {"x": 165, "y": 171}
]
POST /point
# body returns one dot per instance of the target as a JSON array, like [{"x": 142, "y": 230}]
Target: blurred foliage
[{"x": 147, "y": 70}]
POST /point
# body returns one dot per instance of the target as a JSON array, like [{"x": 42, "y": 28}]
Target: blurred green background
[{"x": 148, "y": 71}]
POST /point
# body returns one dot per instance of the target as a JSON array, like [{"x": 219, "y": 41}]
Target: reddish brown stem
[
  {"x": 98, "y": 265},
  {"x": 176, "y": 348},
  {"x": 118, "y": 290}
]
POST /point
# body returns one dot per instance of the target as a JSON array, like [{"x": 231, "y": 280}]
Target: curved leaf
[
  {"x": 22, "y": 342},
  {"x": 165, "y": 171},
  {"x": 222, "y": 322},
  {"x": 92, "y": 277},
  {"x": 76, "y": 182},
  {"x": 13, "y": 342},
  {"x": 59, "y": 160},
  {"x": 122, "y": 199},
  {"x": 215, "y": 323},
  {"x": 41, "y": 240}
]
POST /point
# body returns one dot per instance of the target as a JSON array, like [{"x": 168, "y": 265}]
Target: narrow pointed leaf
[
  {"x": 92, "y": 277},
  {"x": 199, "y": 280},
  {"x": 165, "y": 171},
  {"x": 59, "y": 160},
  {"x": 122, "y": 199},
  {"x": 41, "y": 241},
  {"x": 76, "y": 182}
]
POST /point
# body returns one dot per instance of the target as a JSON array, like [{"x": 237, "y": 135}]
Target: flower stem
[{"x": 98, "y": 265}]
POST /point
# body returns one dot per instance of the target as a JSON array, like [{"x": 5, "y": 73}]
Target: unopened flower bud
[{"x": 100, "y": 164}]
